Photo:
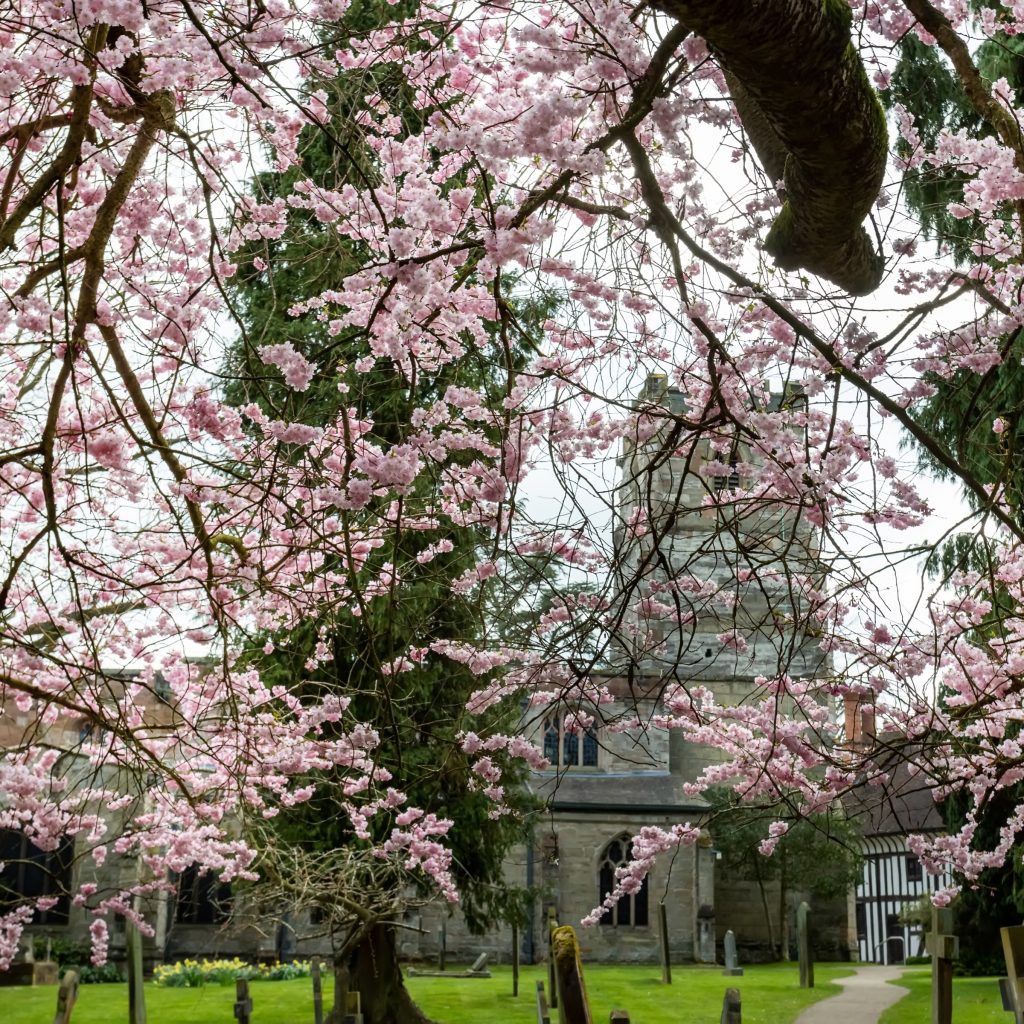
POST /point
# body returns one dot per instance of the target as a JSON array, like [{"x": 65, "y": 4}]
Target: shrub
[{"x": 108, "y": 973}]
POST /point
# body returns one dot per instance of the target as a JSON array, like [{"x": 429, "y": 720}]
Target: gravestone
[
  {"x": 1013, "y": 990},
  {"x": 318, "y": 991},
  {"x": 732, "y": 964},
  {"x": 666, "y": 954},
  {"x": 66, "y": 996},
  {"x": 478, "y": 970},
  {"x": 29, "y": 970},
  {"x": 572, "y": 992},
  {"x": 136, "y": 991},
  {"x": 618, "y": 1017},
  {"x": 353, "y": 1009},
  {"x": 803, "y": 945},
  {"x": 543, "y": 1013},
  {"x": 731, "y": 1007},
  {"x": 944, "y": 948},
  {"x": 706, "y": 934},
  {"x": 243, "y": 1002},
  {"x": 442, "y": 943}
]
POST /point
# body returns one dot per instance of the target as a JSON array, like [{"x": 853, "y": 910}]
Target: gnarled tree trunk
[{"x": 375, "y": 974}]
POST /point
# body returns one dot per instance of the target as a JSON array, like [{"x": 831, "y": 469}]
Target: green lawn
[
  {"x": 975, "y": 1000},
  {"x": 771, "y": 995}
]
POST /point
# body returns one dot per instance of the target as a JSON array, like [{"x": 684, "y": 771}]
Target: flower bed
[{"x": 194, "y": 973}]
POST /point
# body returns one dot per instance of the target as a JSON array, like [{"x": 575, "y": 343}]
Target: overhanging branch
[{"x": 814, "y": 120}]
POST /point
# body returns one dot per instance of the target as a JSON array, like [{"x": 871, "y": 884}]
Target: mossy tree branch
[{"x": 804, "y": 95}]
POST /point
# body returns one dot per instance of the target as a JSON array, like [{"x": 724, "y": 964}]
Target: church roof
[{"x": 600, "y": 792}]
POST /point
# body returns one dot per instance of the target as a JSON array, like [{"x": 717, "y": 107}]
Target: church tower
[{"x": 714, "y": 576}]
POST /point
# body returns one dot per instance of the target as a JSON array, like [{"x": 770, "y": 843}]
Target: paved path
[{"x": 865, "y": 995}]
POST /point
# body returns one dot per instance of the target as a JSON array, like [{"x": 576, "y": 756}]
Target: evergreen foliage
[
  {"x": 418, "y": 713},
  {"x": 962, "y": 410}
]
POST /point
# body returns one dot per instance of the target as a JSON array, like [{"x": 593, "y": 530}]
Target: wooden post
[
  {"x": 515, "y": 960},
  {"x": 243, "y": 1004},
  {"x": 136, "y": 991},
  {"x": 66, "y": 996},
  {"x": 944, "y": 948},
  {"x": 552, "y": 985},
  {"x": 341, "y": 978},
  {"x": 572, "y": 992},
  {"x": 731, "y": 1008},
  {"x": 543, "y": 1013},
  {"x": 803, "y": 943},
  {"x": 666, "y": 953},
  {"x": 318, "y": 991},
  {"x": 1013, "y": 951}
]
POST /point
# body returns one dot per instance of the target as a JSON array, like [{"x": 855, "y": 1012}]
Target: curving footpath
[{"x": 865, "y": 996}]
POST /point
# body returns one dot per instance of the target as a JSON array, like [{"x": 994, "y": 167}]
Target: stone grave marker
[
  {"x": 543, "y": 1013},
  {"x": 318, "y": 991},
  {"x": 618, "y": 1017},
  {"x": 732, "y": 963},
  {"x": 666, "y": 953},
  {"x": 572, "y": 992},
  {"x": 1013, "y": 990},
  {"x": 944, "y": 948},
  {"x": 29, "y": 970},
  {"x": 243, "y": 1002},
  {"x": 136, "y": 977},
  {"x": 478, "y": 970},
  {"x": 442, "y": 944},
  {"x": 353, "y": 1009},
  {"x": 731, "y": 1007},
  {"x": 66, "y": 996},
  {"x": 803, "y": 945},
  {"x": 1006, "y": 995}
]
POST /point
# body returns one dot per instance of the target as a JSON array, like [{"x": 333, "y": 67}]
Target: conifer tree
[
  {"x": 965, "y": 407},
  {"x": 419, "y": 713}
]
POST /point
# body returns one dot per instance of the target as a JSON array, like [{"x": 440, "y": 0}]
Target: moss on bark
[{"x": 805, "y": 92}]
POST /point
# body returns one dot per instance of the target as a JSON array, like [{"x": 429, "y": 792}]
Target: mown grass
[
  {"x": 770, "y": 993},
  {"x": 975, "y": 1000}
]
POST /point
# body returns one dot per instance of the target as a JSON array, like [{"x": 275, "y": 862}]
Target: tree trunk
[
  {"x": 783, "y": 909},
  {"x": 375, "y": 974},
  {"x": 767, "y": 910}
]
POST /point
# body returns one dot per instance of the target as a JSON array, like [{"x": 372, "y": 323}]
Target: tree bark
[
  {"x": 767, "y": 910},
  {"x": 814, "y": 121},
  {"x": 783, "y": 910},
  {"x": 375, "y": 974}
]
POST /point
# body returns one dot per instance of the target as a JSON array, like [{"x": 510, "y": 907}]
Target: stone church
[
  {"x": 703, "y": 593},
  {"x": 603, "y": 786}
]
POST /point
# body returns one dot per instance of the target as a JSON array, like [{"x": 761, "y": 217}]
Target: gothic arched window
[
  {"x": 631, "y": 909},
  {"x": 202, "y": 897},
  {"x": 567, "y": 748}
]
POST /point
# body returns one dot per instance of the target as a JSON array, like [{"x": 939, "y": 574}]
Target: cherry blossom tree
[{"x": 700, "y": 214}]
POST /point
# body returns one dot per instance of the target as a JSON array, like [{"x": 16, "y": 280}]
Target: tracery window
[
  {"x": 29, "y": 872},
  {"x": 631, "y": 909},
  {"x": 202, "y": 897},
  {"x": 566, "y": 748}
]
